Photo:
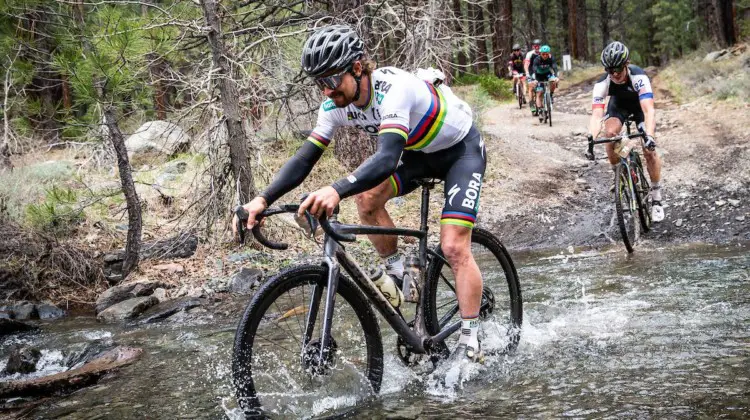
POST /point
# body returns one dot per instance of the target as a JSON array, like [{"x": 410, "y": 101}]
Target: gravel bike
[
  {"x": 631, "y": 186},
  {"x": 310, "y": 333},
  {"x": 518, "y": 89},
  {"x": 545, "y": 114}
]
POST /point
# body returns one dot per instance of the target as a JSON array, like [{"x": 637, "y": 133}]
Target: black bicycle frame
[{"x": 337, "y": 258}]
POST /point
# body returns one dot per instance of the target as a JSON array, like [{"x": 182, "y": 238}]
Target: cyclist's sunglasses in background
[
  {"x": 331, "y": 82},
  {"x": 613, "y": 70}
]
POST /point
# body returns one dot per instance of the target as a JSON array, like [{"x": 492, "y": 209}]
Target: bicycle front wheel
[
  {"x": 644, "y": 197},
  {"x": 548, "y": 99},
  {"x": 278, "y": 372},
  {"x": 519, "y": 94},
  {"x": 501, "y": 310},
  {"x": 625, "y": 208}
]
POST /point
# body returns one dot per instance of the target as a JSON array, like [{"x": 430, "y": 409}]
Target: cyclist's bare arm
[
  {"x": 595, "y": 123},
  {"x": 649, "y": 115}
]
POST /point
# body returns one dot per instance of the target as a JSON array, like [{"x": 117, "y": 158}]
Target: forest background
[{"x": 84, "y": 75}]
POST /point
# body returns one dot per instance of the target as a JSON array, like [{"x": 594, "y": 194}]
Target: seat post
[{"x": 425, "y": 207}]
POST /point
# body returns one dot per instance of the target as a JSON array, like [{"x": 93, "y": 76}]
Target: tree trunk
[
  {"x": 565, "y": 25},
  {"x": 478, "y": 30},
  {"x": 722, "y": 22},
  {"x": 543, "y": 23},
  {"x": 501, "y": 17},
  {"x": 531, "y": 20},
  {"x": 230, "y": 100},
  {"x": 133, "y": 247},
  {"x": 582, "y": 32},
  {"x": 578, "y": 27},
  {"x": 604, "y": 21},
  {"x": 458, "y": 25}
]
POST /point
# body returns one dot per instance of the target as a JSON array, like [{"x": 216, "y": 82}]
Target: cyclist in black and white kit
[
  {"x": 422, "y": 130},
  {"x": 533, "y": 53},
  {"x": 629, "y": 90},
  {"x": 516, "y": 68}
]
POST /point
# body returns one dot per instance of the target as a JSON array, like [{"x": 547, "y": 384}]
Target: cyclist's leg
[
  {"x": 371, "y": 204},
  {"x": 614, "y": 119},
  {"x": 465, "y": 165},
  {"x": 538, "y": 96}
]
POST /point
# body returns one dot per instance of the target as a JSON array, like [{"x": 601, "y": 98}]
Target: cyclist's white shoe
[
  {"x": 468, "y": 353},
  {"x": 657, "y": 211}
]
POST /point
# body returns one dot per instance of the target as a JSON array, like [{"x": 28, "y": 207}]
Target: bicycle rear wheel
[
  {"x": 643, "y": 188},
  {"x": 276, "y": 375},
  {"x": 519, "y": 94},
  {"x": 502, "y": 308},
  {"x": 626, "y": 217}
]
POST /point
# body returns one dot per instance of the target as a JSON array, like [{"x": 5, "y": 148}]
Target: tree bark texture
[
  {"x": 578, "y": 28},
  {"x": 722, "y": 22},
  {"x": 604, "y": 21},
  {"x": 230, "y": 101},
  {"x": 531, "y": 21},
  {"x": 501, "y": 17},
  {"x": 565, "y": 25},
  {"x": 460, "y": 48},
  {"x": 135, "y": 224},
  {"x": 478, "y": 30}
]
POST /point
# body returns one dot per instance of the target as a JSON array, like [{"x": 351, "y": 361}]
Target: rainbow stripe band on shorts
[
  {"x": 458, "y": 218},
  {"x": 396, "y": 184}
]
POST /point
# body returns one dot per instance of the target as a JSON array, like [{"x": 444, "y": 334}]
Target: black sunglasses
[
  {"x": 612, "y": 70},
  {"x": 333, "y": 81}
]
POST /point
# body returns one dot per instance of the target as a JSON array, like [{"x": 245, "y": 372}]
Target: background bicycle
[{"x": 631, "y": 186}]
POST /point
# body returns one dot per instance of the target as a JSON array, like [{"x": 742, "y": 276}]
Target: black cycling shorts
[
  {"x": 542, "y": 77},
  {"x": 622, "y": 109},
  {"x": 461, "y": 166}
]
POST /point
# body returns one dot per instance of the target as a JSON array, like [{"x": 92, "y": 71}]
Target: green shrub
[
  {"x": 58, "y": 214},
  {"x": 496, "y": 87}
]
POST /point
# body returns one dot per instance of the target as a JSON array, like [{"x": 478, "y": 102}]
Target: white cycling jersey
[
  {"x": 634, "y": 90},
  {"x": 429, "y": 118}
]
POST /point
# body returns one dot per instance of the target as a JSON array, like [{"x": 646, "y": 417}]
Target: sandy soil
[{"x": 542, "y": 193}]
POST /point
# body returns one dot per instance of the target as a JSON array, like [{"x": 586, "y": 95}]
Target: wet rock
[
  {"x": 580, "y": 181},
  {"x": 25, "y": 310},
  {"x": 740, "y": 218},
  {"x": 117, "y": 294},
  {"x": 73, "y": 379},
  {"x": 720, "y": 202},
  {"x": 734, "y": 203},
  {"x": 245, "y": 280},
  {"x": 167, "y": 309},
  {"x": 678, "y": 222},
  {"x": 128, "y": 309},
  {"x": 22, "y": 359},
  {"x": 11, "y": 326},
  {"x": 49, "y": 311},
  {"x": 160, "y": 294},
  {"x": 84, "y": 352}
]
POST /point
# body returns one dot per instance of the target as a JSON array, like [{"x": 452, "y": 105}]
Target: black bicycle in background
[
  {"x": 631, "y": 185},
  {"x": 518, "y": 89},
  {"x": 309, "y": 336}
]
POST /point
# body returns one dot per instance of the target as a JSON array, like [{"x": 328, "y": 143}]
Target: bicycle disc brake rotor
[
  {"x": 405, "y": 352},
  {"x": 488, "y": 303},
  {"x": 313, "y": 363}
]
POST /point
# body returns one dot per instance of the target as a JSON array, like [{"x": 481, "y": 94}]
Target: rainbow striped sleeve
[
  {"x": 396, "y": 129},
  {"x": 458, "y": 218},
  {"x": 318, "y": 140}
]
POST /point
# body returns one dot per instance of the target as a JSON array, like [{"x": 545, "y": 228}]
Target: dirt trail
[{"x": 547, "y": 195}]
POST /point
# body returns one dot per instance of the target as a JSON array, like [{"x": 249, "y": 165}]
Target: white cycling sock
[
  {"x": 656, "y": 191},
  {"x": 469, "y": 330},
  {"x": 394, "y": 265}
]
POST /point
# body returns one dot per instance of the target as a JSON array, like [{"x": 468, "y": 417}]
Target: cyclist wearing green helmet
[{"x": 544, "y": 69}]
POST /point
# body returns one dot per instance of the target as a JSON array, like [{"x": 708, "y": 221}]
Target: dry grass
[{"x": 691, "y": 78}]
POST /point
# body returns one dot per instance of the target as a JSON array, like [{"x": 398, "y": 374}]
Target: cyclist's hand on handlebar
[
  {"x": 321, "y": 201},
  {"x": 254, "y": 208},
  {"x": 649, "y": 142}
]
